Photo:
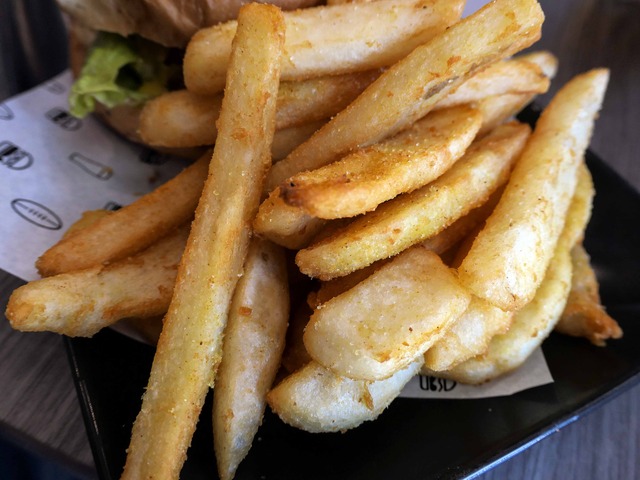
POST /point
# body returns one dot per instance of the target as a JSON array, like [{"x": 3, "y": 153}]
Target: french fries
[
  {"x": 82, "y": 302},
  {"x": 361, "y": 181},
  {"x": 408, "y": 91},
  {"x": 252, "y": 349},
  {"x": 440, "y": 244},
  {"x": 86, "y": 219},
  {"x": 385, "y": 322},
  {"x": 515, "y": 76},
  {"x": 530, "y": 326},
  {"x": 412, "y": 218},
  {"x": 293, "y": 228},
  {"x": 510, "y": 255},
  {"x": 316, "y": 400},
  {"x": 185, "y": 119},
  {"x": 288, "y": 139},
  {"x": 433, "y": 234},
  {"x": 399, "y": 97},
  {"x": 533, "y": 322},
  {"x": 130, "y": 229},
  {"x": 189, "y": 349},
  {"x": 285, "y": 225},
  {"x": 468, "y": 336},
  {"x": 579, "y": 213},
  {"x": 319, "y": 98},
  {"x": 328, "y": 40},
  {"x": 496, "y": 108},
  {"x": 584, "y": 315},
  {"x": 182, "y": 119}
]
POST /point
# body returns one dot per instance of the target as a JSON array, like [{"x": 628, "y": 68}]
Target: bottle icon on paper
[
  {"x": 14, "y": 157},
  {"x": 92, "y": 167},
  {"x": 5, "y": 112},
  {"x": 64, "y": 119}
]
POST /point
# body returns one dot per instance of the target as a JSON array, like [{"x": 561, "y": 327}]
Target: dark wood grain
[
  {"x": 38, "y": 403},
  {"x": 603, "y": 445}
]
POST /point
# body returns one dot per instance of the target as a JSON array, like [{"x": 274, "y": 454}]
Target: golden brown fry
[
  {"x": 185, "y": 119},
  {"x": 439, "y": 244},
  {"x": 409, "y": 89},
  {"x": 532, "y": 323},
  {"x": 584, "y": 315},
  {"x": 315, "y": 399},
  {"x": 252, "y": 350},
  {"x": 320, "y": 98},
  {"x": 339, "y": 285},
  {"x": 510, "y": 255},
  {"x": 414, "y": 217},
  {"x": 288, "y": 139},
  {"x": 180, "y": 119},
  {"x": 498, "y": 108},
  {"x": 386, "y": 321},
  {"x": 469, "y": 335},
  {"x": 338, "y": 2},
  {"x": 461, "y": 250},
  {"x": 455, "y": 233},
  {"x": 285, "y": 225},
  {"x": 361, "y": 181},
  {"x": 87, "y": 218},
  {"x": 547, "y": 61},
  {"x": 530, "y": 326},
  {"x": 508, "y": 76},
  {"x": 293, "y": 228},
  {"x": 579, "y": 212},
  {"x": 82, "y": 302},
  {"x": 189, "y": 349},
  {"x": 130, "y": 229},
  {"x": 328, "y": 40}
]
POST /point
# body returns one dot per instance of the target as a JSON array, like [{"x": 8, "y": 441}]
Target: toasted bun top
[{"x": 168, "y": 22}]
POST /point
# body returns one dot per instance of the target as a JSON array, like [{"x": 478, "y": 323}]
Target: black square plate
[{"x": 413, "y": 439}]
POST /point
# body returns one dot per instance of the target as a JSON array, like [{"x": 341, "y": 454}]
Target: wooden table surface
[{"x": 38, "y": 404}]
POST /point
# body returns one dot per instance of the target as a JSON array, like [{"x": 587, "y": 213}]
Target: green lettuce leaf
[{"x": 120, "y": 70}]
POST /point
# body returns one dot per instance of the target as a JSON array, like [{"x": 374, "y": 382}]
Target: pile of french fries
[{"x": 373, "y": 145}]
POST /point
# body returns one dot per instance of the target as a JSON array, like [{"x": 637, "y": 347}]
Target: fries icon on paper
[{"x": 36, "y": 213}]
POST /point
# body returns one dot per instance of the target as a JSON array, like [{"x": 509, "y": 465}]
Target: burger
[{"x": 122, "y": 53}]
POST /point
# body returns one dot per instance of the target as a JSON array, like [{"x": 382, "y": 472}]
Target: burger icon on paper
[{"x": 13, "y": 157}]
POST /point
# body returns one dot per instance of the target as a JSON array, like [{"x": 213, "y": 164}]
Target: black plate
[{"x": 413, "y": 439}]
